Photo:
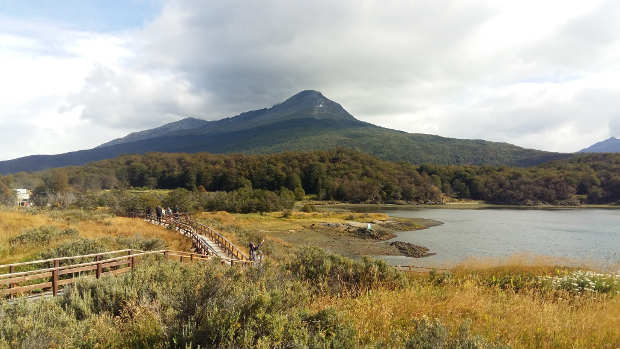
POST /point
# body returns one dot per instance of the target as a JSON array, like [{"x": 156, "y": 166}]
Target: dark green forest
[{"x": 338, "y": 174}]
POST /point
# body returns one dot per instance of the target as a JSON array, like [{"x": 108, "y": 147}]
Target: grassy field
[
  {"x": 306, "y": 297},
  {"x": 109, "y": 232}
]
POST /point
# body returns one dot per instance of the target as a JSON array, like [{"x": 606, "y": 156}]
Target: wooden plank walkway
[{"x": 205, "y": 239}]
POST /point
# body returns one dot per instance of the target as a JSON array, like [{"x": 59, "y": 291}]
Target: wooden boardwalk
[
  {"x": 36, "y": 279},
  {"x": 206, "y": 240}
]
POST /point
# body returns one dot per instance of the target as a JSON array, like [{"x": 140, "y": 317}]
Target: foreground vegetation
[
  {"x": 254, "y": 183},
  {"x": 301, "y": 297},
  {"x": 318, "y": 300}
]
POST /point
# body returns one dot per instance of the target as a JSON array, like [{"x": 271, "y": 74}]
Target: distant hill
[
  {"x": 306, "y": 121},
  {"x": 185, "y": 124},
  {"x": 611, "y": 145}
]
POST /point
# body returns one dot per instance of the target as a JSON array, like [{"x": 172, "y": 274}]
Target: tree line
[{"x": 244, "y": 181}]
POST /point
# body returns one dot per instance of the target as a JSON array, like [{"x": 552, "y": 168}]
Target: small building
[{"x": 22, "y": 197}]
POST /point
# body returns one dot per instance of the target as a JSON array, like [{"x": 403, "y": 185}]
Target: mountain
[
  {"x": 611, "y": 145},
  {"x": 185, "y": 124},
  {"x": 306, "y": 105},
  {"x": 306, "y": 121}
]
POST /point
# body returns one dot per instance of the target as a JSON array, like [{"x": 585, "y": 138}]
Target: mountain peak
[
  {"x": 610, "y": 145},
  {"x": 307, "y": 97},
  {"x": 311, "y": 103}
]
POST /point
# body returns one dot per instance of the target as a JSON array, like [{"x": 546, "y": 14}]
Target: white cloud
[{"x": 537, "y": 74}]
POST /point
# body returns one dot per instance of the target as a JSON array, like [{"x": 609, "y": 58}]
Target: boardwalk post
[
  {"x": 181, "y": 259},
  {"x": 99, "y": 269},
  {"x": 191, "y": 257},
  {"x": 166, "y": 254},
  {"x": 232, "y": 262},
  {"x": 55, "y": 278},
  {"x": 11, "y": 285}
]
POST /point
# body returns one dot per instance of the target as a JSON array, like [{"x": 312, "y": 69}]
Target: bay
[{"x": 581, "y": 235}]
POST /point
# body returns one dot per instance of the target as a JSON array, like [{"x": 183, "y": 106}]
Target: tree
[
  {"x": 7, "y": 196},
  {"x": 181, "y": 200},
  {"x": 56, "y": 182}
]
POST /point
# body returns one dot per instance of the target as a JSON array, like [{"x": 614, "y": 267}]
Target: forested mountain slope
[{"x": 306, "y": 121}]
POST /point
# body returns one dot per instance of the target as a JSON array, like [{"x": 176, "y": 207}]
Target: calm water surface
[{"x": 580, "y": 234}]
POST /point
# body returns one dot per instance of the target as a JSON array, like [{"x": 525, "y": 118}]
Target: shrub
[
  {"x": 337, "y": 274},
  {"x": 41, "y": 235},
  {"x": 141, "y": 243},
  {"x": 73, "y": 248},
  {"x": 169, "y": 304},
  {"x": 37, "y": 324},
  {"x": 431, "y": 334},
  {"x": 327, "y": 326}
]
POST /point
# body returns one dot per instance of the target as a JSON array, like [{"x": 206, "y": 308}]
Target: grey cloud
[
  {"x": 250, "y": 55},
  {"x": 417, "y": 66},
  {"x": 614, "y": 127}
]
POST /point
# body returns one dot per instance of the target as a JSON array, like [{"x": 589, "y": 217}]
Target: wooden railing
[
  {"x": 182, "y": 226},
  {"x": 189, "y": 227},
  {"x": 222, "y": 241},
  {"x": 53, "y": 279}
]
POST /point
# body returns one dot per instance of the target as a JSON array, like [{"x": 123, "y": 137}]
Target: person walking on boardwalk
[
  {"x": 159, "y": 211},
  {"x": 254, "y": 250}
]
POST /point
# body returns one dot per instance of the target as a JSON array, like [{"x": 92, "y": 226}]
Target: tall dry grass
[
  {"x": 523, "y": 318},
  {"x": 89, "y": 225}
]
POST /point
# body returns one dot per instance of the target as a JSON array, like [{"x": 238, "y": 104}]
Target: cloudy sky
[{"x": 539, "y": 74}]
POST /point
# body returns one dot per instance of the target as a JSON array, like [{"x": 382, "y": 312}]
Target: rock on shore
[{"x": 412, "y": 250}]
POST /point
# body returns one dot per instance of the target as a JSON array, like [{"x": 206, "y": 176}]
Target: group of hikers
[{"x": 161, "y": 212}]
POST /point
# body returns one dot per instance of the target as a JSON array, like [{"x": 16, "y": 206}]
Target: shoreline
[{"x": 456, "y": 205}]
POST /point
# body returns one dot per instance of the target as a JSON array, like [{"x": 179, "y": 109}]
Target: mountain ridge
[
  {"x": 610, "y": 145},
  {"x": 306, "y": 121}
]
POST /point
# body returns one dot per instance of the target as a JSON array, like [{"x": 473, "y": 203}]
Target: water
[{"x": 590, "y": 235}]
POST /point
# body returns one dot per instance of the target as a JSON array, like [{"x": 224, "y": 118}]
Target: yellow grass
[
  {"x": 13, "y": 222},
  {"x": 519, "y": 320}
]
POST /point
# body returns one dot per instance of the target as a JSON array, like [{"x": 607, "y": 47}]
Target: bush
[
  {"x": 73, "y": 248},
  {"x": 431, "y": 334},
  {"x": 336, "y": 274},
  {"x": 141, "y": 243},
  {"x": 169, "y": 304},
  {"x": 327, "y": 326},
  {"x": 42, "y": 236}
]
